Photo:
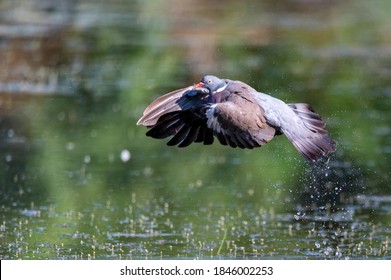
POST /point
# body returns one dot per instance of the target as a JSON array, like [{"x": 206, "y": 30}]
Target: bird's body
[{"x": 237, "y": 115}]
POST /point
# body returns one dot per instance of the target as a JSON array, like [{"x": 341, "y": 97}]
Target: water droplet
[
  {"x": 125, "y": 155},
  {"x": 87, "y": 159},
  {"x": 148, "y": 171},
  {"x": 10, "y": 133},
  {"x": 299, "y": 215},
  {"x": 8, "y": 158},
  {"x": 70, "y": 146}
]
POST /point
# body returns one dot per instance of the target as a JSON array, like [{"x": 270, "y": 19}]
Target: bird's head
[{"x": 212, "y": 83}]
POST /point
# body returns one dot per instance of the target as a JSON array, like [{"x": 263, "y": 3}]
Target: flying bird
[{"x": 237, "y": 115}]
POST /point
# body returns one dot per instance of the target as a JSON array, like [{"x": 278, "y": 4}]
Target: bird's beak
[{"x": 199, "y": 85}]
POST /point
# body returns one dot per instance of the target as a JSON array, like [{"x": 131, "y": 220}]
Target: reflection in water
[{"x": 80, "y": 180}]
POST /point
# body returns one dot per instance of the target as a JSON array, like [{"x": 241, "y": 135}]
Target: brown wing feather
[
  {"x": 237, "y": 127},
  {"x": 164, "y": 104},
  {"x": 310, "y": 139}
]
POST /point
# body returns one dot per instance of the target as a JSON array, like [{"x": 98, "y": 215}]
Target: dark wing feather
[
  {"x": 180, "y": 136},
  {"x": 204, "y": 135},
  {"x": 162, "y": 105},
  {"x": 180, "y": 114},
  {"x": 167, "y": 125},
  {"x": 192, "y": 135}
]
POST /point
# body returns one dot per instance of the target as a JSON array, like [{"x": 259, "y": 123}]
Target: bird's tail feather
[{"x": 310, "y": 137}]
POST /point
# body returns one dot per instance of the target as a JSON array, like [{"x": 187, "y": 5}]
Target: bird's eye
[{"x": 209, "y": 81}]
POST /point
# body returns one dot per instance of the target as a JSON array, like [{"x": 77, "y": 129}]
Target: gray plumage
[{"x": 237, "y": 115}]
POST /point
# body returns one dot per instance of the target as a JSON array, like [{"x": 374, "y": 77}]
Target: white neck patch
[{"x": 221, "y": 89}]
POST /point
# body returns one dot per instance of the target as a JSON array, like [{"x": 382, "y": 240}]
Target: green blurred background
[{"x": 79, "y": 179}]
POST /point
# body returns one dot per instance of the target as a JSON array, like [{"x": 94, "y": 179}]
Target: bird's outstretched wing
[
  {"x": 181, "y": 114},
  {"x": 167, "y": 103},
  {"x": 239, "y": 122}
]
